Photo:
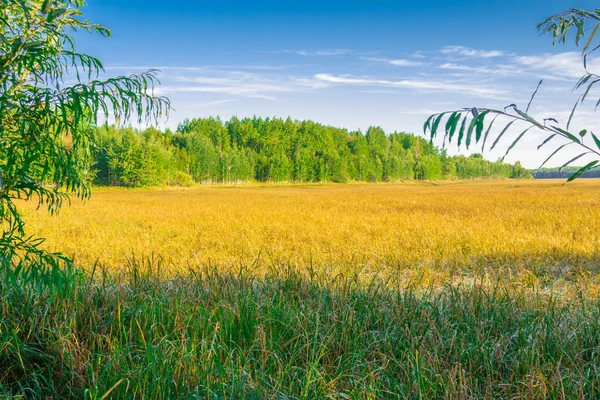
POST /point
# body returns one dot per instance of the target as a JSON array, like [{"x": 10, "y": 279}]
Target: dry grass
[{"x": 362, "y": 227}]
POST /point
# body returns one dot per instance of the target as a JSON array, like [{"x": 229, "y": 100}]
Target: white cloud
[
  {"x": 313, "y": 53},
  {"x": 195, "y": 69},
  {"x": 468, "y": 52},
  {"x": 213, "y": 103},
  {"x": 497, "y": 70},
  {"x": 239, "y": 83},
  {"x": 418, "y": 111},
  {"x": 569, "y": 64},
  {"x": 398, "y": 63},
  {"x": 251, "y": 92},
  {"x": 478, "y": 90}
]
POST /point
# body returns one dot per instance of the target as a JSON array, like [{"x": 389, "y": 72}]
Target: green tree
[
  {"x": 468, "y": 125},
  {"x": 45, "y": 124}
]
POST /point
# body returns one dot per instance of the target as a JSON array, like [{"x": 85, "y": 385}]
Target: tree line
[
  {"x": 563, "y": 173},
  {"x": 208, "y": 150}
]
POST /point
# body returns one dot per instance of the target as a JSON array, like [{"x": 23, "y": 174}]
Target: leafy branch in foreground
[
  {"x": 45, "y": 125},
  {"x": 468, "y": 124}
]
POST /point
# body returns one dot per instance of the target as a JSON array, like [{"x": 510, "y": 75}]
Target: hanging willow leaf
[
  {"x": 470, "y": 132},
  {"x": 428, "y": 124},
  {"x": 573, "y": 160},
  {"x": 558, "y": 25},
  {"x": 582, "y": 170},
  {"x": 480, "y": 124},
  {"x": 572, "y": 113},
  {"x": 502, "y": 134},
  {"x": 596, "y": 140},
  {"x": 487, "y": 132},
  {"x": 590, "y": 39},
  {"x": 527, "y": 117},
  {"x": 567, "y": 134},
  {"x": 449, "y": 123},
  {"x": 549, "y": 138},
  {"x": 533, "y": 95},
  {"x": 514, "y": 143},
  {"x": 462, "y": 131},
  {"x": 435, "y": 125},
  {"x": 454, "y": 126},
  {"x": 554, "y": 153}
]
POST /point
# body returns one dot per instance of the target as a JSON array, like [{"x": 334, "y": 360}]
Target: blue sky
[{"x": 351, "y": 64}]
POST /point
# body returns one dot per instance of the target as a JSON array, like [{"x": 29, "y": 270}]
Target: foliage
[
  {"x": 44, "y": 124},
  {"x": 275, "y": 150},
  {"x": 468, "y": 125}
]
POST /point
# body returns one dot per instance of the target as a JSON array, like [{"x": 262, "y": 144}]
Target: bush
[{"x": 183, "y": 179}]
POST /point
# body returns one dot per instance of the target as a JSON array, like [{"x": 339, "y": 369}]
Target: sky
[{"x": 350, "y": 64}]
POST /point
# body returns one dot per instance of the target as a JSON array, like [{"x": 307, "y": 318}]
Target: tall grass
[{"x": 286, "y": 334}]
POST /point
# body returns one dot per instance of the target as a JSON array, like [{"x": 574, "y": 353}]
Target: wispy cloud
[
  {"x": 469, "y": 52},
  {"x": 567, "y": 64},
  {"x": 496, "y": 70},
  {"x": 398, "y": 63},
  {"x": 263, "y": 85},
  {"x": 414, "y": 84},
  {"x": 212, "y": 103},
  {"x": 313, "y": 53},
  {"x": 196, "y": 69},
  {"x": 418, "y": 111}
]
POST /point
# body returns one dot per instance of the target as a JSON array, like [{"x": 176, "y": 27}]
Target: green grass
[{"x": 233, "y": 336}]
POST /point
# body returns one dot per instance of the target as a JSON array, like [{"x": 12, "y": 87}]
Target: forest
[
  {"x": 208, "y": 150},
  {"x": 563, "y": 173}
]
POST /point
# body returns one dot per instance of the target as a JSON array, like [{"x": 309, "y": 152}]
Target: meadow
[
  {"x": 464, "y": 290},
  {"x": 385, "y": 230}
]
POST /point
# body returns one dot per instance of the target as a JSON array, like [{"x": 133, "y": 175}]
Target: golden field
[
  {"x": 537, "y": 226},
  {"x": 458, "y": 290}
]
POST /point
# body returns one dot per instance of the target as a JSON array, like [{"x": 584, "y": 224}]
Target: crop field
[
  {"x": 365, "y": 229},
  {"x": 462, "y": 290}
]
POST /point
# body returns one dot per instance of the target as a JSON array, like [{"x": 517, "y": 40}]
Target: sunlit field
[
  {"x": 460, "y": 290},
  {"x": 361, "y": 228}
]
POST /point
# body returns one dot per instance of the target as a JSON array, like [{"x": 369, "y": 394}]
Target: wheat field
[{"x": 360, "y": 228}]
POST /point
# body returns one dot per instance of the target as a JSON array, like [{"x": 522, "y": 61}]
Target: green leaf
[
  {"x": 470, "y": 132},
  {"x": 449, "y": 123},
  {"x": 527, "y": 117},
  {"x": 549, "y": 138},
  {"x": 428, "y": 123},
  {"x": 55, "y": 14},
  {"x": 583, "y": 133},
  {"x": 515, "y": 142},
  {"x": 502, "y": 134},
  {"x": 462, "y": 131},
  {"x": 590, "y": 39},
  {"x": 533, "y": 95},
  {"x": 554, "y": 153},
  {"x": 567, "y": 134},
  {"x": 479, "y": 125},
  {"x": 572, "y": 160},
  {"x": 453, "y": 127},
  {"x": 572, "y": 113},
  {"x": 46, "y": 7},
  {"x": 435, "y": 125},
  {"x": 596, "y": 140},
  {"x": 582, "y": 170},
  {"x": 487, "y": 132}
]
